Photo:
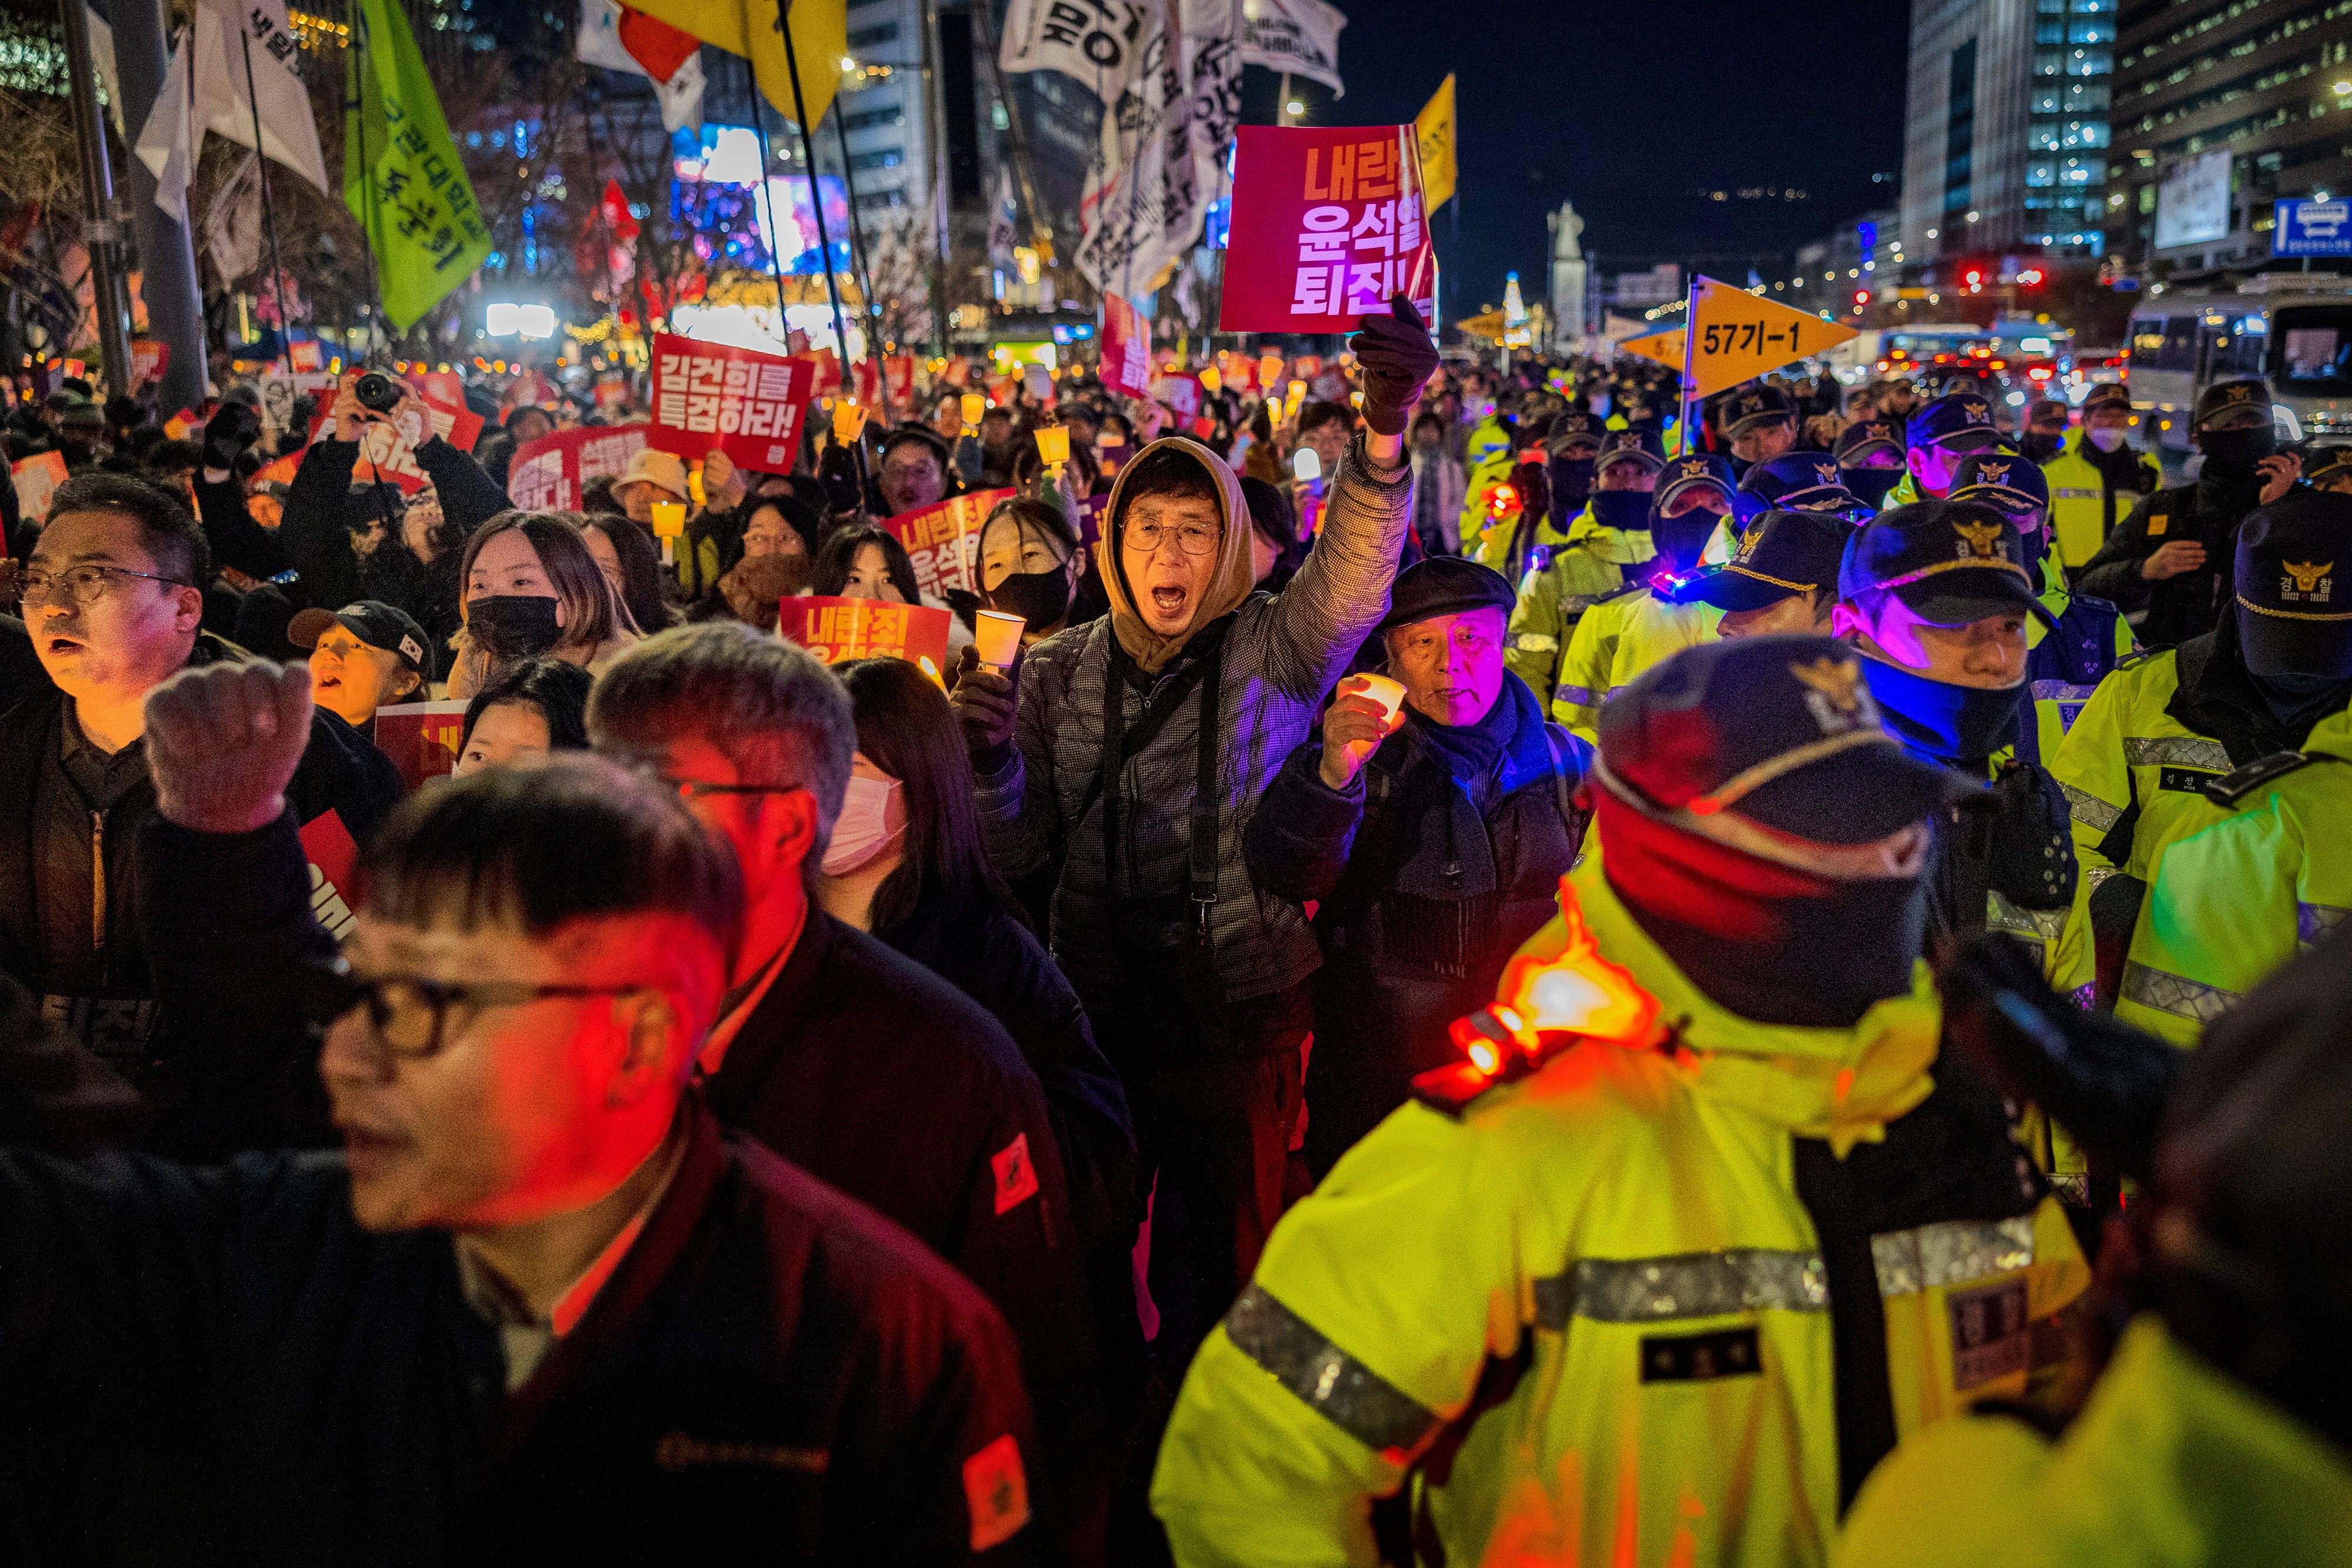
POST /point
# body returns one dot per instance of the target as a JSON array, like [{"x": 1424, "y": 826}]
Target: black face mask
[
  {"x": 1952, "y": 725},
  {"x": 2295, "y": 698},
  {"x": 1681, "y": 539},
  {"x": 1621, "y": 508},
  {"x": 1870, "y": 485},
  {"x": 1571, "y": 478},
  {"x": 2039, "y": 447},
  {"x": 512, "y": 626},
  {"x": 1039, "y": 598},
  {"x": 2232, "y": 453}
]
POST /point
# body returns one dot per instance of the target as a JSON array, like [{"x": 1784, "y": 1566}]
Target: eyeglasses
[
  {"x": 904, "y": 471},
  {"x": 409, "y": 1012},
  {"x": 83, "y": 584},
  {"x": 692, "y": 789},
  {"x": 1192, "y": 539}
]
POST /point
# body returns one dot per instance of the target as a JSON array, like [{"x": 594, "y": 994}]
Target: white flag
[
  {"x": 1163, "y": 149},
  {"x": 289, "y": 135},
  {"x": 164, "y": 142},
  {"x": 601, "y": 45},
  {"x": 101, "y": 49},
  {"x": 1098, "y": 43},
  {"x": 233, "y": 231},
  {"x": 1301, "y": 37}
]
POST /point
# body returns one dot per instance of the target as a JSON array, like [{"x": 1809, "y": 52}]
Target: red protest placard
[
  {"x": 149, "y": 359},
  {"x": 1181, "y": 392},
  {"x": 1125, "y": 348},
  {"x": 839, "y": 630},
  {"x": 382, "y": 446},
  {"x": 1327, "y": 223},
  {"x": 421, "y": 738},
  {"x": 943, "y": 540},
  {"x": 334, "y": 856},
  {"x": 708, "y": 397},
  {"x": 38, "y": 478},
  {"x": 549, "y": 473}
]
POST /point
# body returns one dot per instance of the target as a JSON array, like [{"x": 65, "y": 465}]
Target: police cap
[
  {"x": 1753, "y": 406},
  {"x": 1781, "y": 730},
  {"x": 1795, "y": 482},
  {"x": 2293, "y": 575},
  {"x": 1780, "y": 553},
  {"x": 1952, "y": 563},
  {"x": 2241, "y": 404},
  {"x": 1961, "y": 420}
]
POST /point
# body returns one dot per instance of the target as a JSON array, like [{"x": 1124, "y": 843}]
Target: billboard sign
[{"x": 2192, "y": 205}]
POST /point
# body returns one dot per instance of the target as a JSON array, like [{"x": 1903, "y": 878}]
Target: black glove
[
  {"x": 229, "y": 433},
  {"x": 2104, "y": 1082},
  {"x": 1397, "y": 358},
  {"x": 2032, "y": 859}
]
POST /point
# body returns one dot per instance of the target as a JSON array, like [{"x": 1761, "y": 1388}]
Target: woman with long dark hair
[
  {"x": 531, "y": 587},
  {"x": 906, "y": 863}
]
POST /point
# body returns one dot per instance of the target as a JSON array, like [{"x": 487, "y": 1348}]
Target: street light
[{"x": 1293, "y": 108}]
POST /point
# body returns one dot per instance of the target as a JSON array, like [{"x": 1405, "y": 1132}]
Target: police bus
[{"x": 2294, "y": 329}]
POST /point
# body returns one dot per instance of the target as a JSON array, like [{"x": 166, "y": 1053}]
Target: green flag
[{"x": 402, "y": 176}]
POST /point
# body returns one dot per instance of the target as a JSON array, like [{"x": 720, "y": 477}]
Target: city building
[
  {"x": 1855, "y": 259},
  {"x": 2005, "y": 143},
  {"x": 2222, "y": 107}
]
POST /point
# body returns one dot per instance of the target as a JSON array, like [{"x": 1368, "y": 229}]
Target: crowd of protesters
[{"x": 835, "y": 1107}]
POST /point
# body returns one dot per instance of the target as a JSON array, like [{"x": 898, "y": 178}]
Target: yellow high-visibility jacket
[
  {"x": 1613, "y": 643},
  {"x": 2233, "y": 901},
  {"x": 2084, "y": 505},
  {"x": 1585, "y": 1316},
  {"x": 1582, "y": 570},
  {"x": 2172, "y": 1463}
]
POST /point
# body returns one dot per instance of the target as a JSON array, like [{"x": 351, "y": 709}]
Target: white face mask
[
  {"x": 862, "y": 829},
  {"x": 2106, "y": 440}
]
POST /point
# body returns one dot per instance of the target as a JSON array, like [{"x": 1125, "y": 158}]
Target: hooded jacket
[{"x": 1276, "y": 656}]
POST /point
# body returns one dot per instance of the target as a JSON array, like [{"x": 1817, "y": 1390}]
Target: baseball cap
[
  {"x": 1961, "y": 419},
  {"x": 1445, "y": 585},
  {"x": 2327, "y": 463},
  {"x": 1780, "y": 731},
  {"x": 1751, "y": 406},
  {"x": 2107, "y": 395},
  {"x": 2243, "y": 403},
  {"x": 1693, "y": 469},
  {"x": 1780, "y": 553},
  {"x": 1574, "y": 427},
  {"x": 2294, "y": 615},
  {"x": 1950, "y": 562},
  {"x": 2003, "y": 481},
  {"x": 372, "y": 621},
  {"x": 1795, "y": 482}
]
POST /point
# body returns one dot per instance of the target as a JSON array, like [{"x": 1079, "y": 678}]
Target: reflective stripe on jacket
[
  {"x": 2232, "y": 902},
  {"x": 2084, "y": 506},
  {"x": 1588, "y": 567},
  {"x": 1615, "y": 642},
  {"x": 1589, "y": 1319},
  {"x": 2132, "y": 774}
]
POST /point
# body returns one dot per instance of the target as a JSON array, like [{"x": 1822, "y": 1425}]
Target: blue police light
[{"x": 1868, "y": 234}]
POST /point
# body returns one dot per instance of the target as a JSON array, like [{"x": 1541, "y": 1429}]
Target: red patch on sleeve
[
  {"x": 1016, "y": 1178},
  {"x": 998, "y": 1491}
]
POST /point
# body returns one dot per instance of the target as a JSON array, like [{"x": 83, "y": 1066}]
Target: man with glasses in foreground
[
  {"x": 543, "y": 1307},
  {"x": 111, "y": 597}
]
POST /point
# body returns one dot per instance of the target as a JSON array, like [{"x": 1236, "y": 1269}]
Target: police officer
[
  {"x": 1898, "y": 399},
  {"x": 1700, "y": 1228},
  {"x": 1643, "y": 624},
  {"x": 2329, "y": 468},
  {"x": 2067, "y": 656},
  {"x": 2168, "y": 565},
  {"x": 1935, "y": 596},
  {"x": 1607, "y": 545},
  {"x": 1939, "y": 435},
  {"x": 1760, "y": 422},
  {"x": 1781, "y": 580},
  {"x": 2097, "y": 479},
  {"x": 2218, "y": 1430},
  {"x": 1797, "y": 482},
  {"x": 1513, "y": 542},
  {"x": 2159, "y": 730},
  {"x": 1869, "y": 461}
]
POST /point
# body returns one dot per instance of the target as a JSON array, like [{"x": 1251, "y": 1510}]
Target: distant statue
[{"x": 1566, "y": 226}]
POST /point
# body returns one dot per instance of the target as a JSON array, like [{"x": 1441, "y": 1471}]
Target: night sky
[{"x": 1629, "y": 108}]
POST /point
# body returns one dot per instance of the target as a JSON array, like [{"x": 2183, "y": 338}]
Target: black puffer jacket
[
  {"x": 321, "y": 512},
  {"x": 1428, "y": 883}
]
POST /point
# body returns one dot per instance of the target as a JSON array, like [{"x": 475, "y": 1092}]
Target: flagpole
[
  {"x": 775, "y": 261},
  {"x": 367, "y": 178},
  {"x": 268, "y": 215},
  {"x": 860, "y": 253},
  {"x": 1684, "y": 435},
  {"x": 816, "y": 205}
]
